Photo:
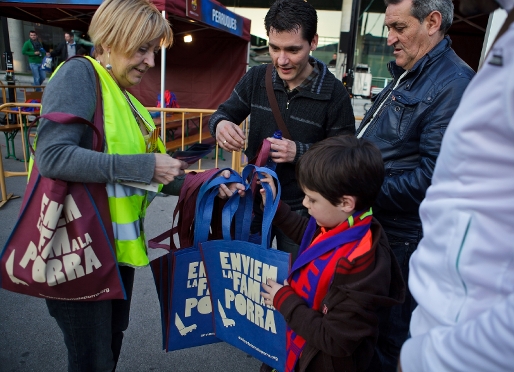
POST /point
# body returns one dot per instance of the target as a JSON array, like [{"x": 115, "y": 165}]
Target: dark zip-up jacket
[
  {"x": 61, "y": 52},
  {"x": 343, "y": 335},
  {"x": 311, "y": 115},
  {"x": 409, "y": 129}
]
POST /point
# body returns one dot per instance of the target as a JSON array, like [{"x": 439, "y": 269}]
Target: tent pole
[{"x": 163, "y": 78}]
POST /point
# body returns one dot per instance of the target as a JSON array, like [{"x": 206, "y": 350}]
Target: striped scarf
[{"x": 312, "y": 272}]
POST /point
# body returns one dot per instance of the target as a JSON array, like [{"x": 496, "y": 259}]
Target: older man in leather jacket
[{"x": 407, "y": 122}]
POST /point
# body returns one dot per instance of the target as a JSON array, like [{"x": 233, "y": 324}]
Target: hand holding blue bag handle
[
  {"x": 180, "y": 278},
  {"x": 235, "y": 270}
]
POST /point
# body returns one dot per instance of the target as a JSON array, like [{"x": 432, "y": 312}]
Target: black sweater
[{"x": 311, "y": 115}]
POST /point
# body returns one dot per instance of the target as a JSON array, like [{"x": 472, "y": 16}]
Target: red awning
[
  {"x": 202, "y": 74},
  {"x": 78, "y": 16}
]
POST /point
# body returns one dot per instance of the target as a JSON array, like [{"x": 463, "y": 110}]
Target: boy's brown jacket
[{"x": 343, "y": 336}]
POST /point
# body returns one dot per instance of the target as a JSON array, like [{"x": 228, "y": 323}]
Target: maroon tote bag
[{"x": 62, "y": 246}]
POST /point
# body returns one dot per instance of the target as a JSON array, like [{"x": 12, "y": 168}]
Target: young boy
[{"x": 345, "y": 269}]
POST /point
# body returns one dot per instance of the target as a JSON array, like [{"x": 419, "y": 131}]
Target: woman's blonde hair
[{"x": 125, "y": 25}]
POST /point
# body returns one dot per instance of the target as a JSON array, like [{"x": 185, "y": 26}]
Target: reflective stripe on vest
[{"x": 126, "y": 204}]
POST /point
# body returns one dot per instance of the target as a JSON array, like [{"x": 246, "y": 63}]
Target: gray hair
[{"x": 422, "y": 8}]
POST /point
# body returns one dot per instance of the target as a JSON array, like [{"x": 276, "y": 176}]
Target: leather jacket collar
[{"x": 428, "y": 58}]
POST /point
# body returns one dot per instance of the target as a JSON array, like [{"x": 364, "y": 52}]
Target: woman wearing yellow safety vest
[{"x": 126, "y": 35}]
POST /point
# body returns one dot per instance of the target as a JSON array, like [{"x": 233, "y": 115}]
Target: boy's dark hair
[
  {"x": 292, "y": 15},
  {"x": 343, "y": 165}
]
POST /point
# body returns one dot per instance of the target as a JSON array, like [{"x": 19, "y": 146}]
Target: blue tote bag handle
[
  {"x": 205, "y": 203},
  {"x": 241, "y": 208},
  {"x": 236, "y": 268},
  {"x": 271, "y": 207}
]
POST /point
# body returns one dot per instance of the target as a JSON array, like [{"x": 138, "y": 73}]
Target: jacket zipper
[
  {"x": 382, "y": 104},
  {"x": 371, "y": 114}
]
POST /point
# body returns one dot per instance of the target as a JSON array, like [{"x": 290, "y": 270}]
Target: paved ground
[{"x": 31, "y": 341}]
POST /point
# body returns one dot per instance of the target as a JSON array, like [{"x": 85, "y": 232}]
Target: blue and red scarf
[{"x": 313, "y": 271}]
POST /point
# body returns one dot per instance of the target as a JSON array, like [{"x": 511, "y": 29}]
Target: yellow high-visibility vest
[{"x": 123, "y": 136}]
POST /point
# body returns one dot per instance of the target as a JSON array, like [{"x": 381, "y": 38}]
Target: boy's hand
[
  {"x": 271, "y": 288},
  {"x": 269, "y": 180},
  {"x": 284, "y": 150},
  {"x": 226, "y": 191}
]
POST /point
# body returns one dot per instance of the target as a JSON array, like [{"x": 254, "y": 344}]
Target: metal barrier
[
  {"x": 192, "y": 125},
  {"x": 23, "y": 88},
  {"x": 10, "y": 131},
  {"x": 26, "y": 90}
]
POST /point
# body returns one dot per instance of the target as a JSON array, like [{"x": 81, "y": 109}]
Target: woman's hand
[
  {"x": 269, "y": 180},
  {"x": 167, "y": 168},
  {"x": 271, "y": 288}
]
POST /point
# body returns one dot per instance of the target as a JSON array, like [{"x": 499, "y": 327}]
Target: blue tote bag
[
  {"x": 237, "y": 267},
  {"x": 181, "y": 282}
]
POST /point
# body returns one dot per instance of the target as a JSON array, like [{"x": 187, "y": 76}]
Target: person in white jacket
[{"x": 462, "y": 274}]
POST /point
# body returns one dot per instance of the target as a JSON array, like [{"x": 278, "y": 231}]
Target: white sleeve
[{"x": 485, "y": 343}]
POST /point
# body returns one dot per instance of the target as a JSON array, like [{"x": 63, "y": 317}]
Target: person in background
[
  {"x": 407, "y": 122},
  {"x": 66, "y": 49},
  {"x": 462, "y": 274},
  {"x": 47, "y": 63},
  {"x": 126, "y": 34},
  {"x": 333, "y": 61},
  {"x": 345, "y": 269},
  {"x": 34, "y": 51},
  {"x": 312, "y": 102}
]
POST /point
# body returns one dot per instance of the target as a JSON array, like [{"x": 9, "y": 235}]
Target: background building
[
  {"x": 368, "y": 34},
  {"x": 354, "y": 29}
]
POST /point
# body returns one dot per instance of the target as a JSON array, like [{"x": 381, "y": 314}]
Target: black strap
[{"x": 274, "y": 104}]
